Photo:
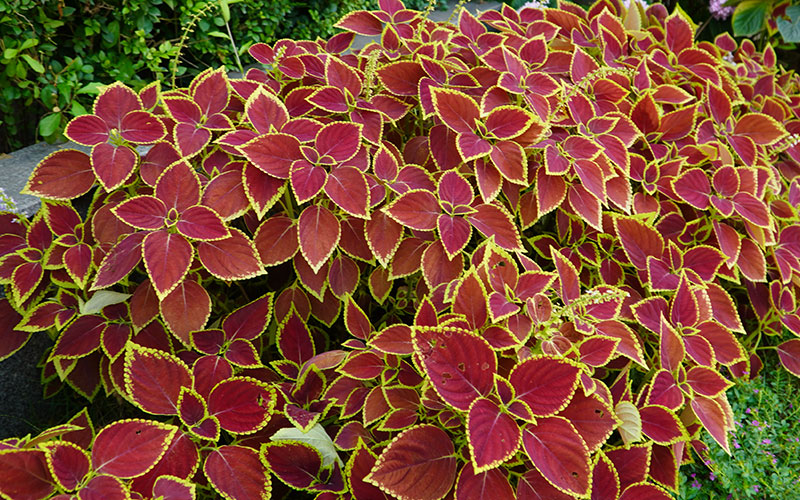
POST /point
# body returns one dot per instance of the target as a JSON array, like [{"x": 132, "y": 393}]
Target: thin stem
[{"x": 235, "y": 49}]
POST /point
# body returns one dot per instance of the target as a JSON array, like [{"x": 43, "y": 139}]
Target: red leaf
[
  {"x": 250, "y": 320},
  {"x": 318, "y": 233},
  {"x": 751, "y": 261},
  {"x": 363, "y": 365},
  {"x": 401, "y": 77},
  {"x": 645, "y": 115},
  {"x": 241, "y": 404},
  {"x": 183, "y": 110},
  {"x": 186, "y": 309},
  {"x": 356, "y": 321},
  {"x": 119, "y": 261},
  {"x": 294, "y": 340},
  {"x": 417, "y": 209},
  {"x": 507, "y": 122},
  {"x": 644, "y": 491},
  {"x": 395, "y": 339},
  {"x": 173, "y": 489},
  {"x": 167, "y": 258},
  {"x": 671, "y": 348},
  {"x": 142, "y": 212},
  {"x": 762, "y": 129},
  {"x": 592, "y": 417},
  {"x": 470, "y": 300},
  {"x": 661, "y": 425},
  {"x": 559, "y": 453},
  {"x": 789, "y": 354},
  {"x": 419, "y": 463},
  {"x": 598, "y": 350},
  {"x": 339, "y": 141},
  {"x": 129, "y": 448},
  {"x": 493, "y": 435},
  {"x": 112, "y": 164},
  {"x": 509, "y": 158},
  {"x": 201, "y": 223},
  {"x": 276, "y": 240},
  {"x": 24, "y": 474},
  {"x": 231, "y": 258},
  {"x": 295, "y": 463},
  {"x": 383, "y": 236},
  {"x": 460, "y": 365},
  {"x": 154, "y": 379},
  {"x": 361, "y": 22},
  {"x": 454, "y": 232},
  {"x": 712, "y": 417},
  {"x": 343, "y": 276},
  {"x": 457, "y": 110},
  {"x": 265, "y": 110},
  {"x": 684, "y": 309},
  {"x": 273, "y": 153},
  {"x": 752, "y": 209},
  {"x": 63, "y": 175},
  {"x": 68, "y": 462},
  {"x": 87, "y": 130},
  {"x": 638, "y": 240},
  {"x": 693, "y": 187},
  {"x": 490, "y": 485},
  {"x": 180, "y": 460},
  {"x": 141, "y": 127},
  {"x": 533, "y": 486},
  {"x": 12, "y": 339},
  {"x": 545, "y": 384},
  {"x": 178, "y": 186},
  {"x": 706, "y": 381},
  {"x": 605, "y": 479},
  {"x": 569, "y": 285},
  {"x": 347, "y": 187},
  {"x": 494, "y": 221},
  {"x": 586, "y": 205},
  {"x": 237, "y": 473},
  {"x": 80, "y": 338}
]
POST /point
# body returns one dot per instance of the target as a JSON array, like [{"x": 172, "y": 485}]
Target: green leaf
[
  {"x": 218, "y": 34},
  {"x": 316, "y": 437},
  {"x": 101, "y": 299},
  {"x": 90, "y": 88},
  {"x": 33, "y": 63},
  {"x": 749, "y": 17},
  {"x": 49, "y": 124},
  {"x": 77, "y": 109},
  {"x": 28, "y": 43},
  {"x": 790, "y": 30},
  {"x": 631, "y": 428}
]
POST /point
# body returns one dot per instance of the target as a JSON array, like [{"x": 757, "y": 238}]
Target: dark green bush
[
  {"x": 54, "y": 54},
  {"x": 766, "y": 444}
]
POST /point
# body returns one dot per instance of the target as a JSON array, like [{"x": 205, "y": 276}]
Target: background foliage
[{"x": 766, "y": 443}]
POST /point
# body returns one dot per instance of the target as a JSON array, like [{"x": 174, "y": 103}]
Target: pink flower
[{"x": 719, "y": 10}]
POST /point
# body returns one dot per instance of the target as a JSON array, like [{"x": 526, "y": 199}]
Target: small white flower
[
  {"x": 535, "y": 4},
  {"x": 643, "y": 3},
  {"x": 7, "y": 203}
]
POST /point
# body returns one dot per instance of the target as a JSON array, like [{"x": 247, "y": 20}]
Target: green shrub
[
  {"x": 54, "y": 55},
  {"x": 766, "y": 444}
]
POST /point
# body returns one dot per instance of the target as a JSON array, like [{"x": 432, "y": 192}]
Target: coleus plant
[{"x": 522, "y": 255}]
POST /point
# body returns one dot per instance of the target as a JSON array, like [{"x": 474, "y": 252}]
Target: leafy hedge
[
  {"x": 54, "y": 55},
  {"x": 522, "y": 254}
]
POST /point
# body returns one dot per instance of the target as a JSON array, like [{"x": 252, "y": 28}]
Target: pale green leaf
[
  {"x": 101, "y": 299},
  {"x": 316, "y": 437},
  {"x": 631, "y": 428}
]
